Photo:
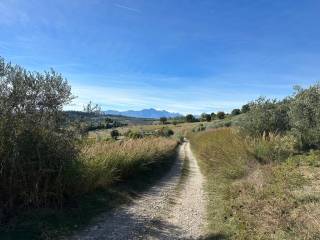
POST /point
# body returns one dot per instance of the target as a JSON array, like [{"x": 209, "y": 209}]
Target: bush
[
  {"x": 305, "y": 116},
  {"x": 245, "y": 108},
  {"x": 114, "y": 134},
  {"x": 228, "y": 124},
  {"x": 205, "y": 117},
  {"x": 235, "y": 112},
  {"x": 267, "y": 116},
  {"x": 190, "y": 118},
  {"x": 213, "y": 116},
  {"x": 165, "y": 132},
  {"x": 221, "y": 115},
  {"x": 37, "y": 154},
  {"x": 163, "y": 120}
]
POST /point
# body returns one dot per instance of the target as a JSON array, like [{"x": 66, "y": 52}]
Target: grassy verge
[
  {"x": 254, "y": 199},
  {"x": 111, "y": 173}
]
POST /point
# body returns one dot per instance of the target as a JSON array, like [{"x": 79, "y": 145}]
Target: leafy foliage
[
  {"x": 304, "y": 116},
  {"x": 163, "y": 120},
  {"x": 245, "y": 108},
  {"x": 205, "y": 117},
  {"x": 114, "y": 134},
  {"x": 221, "y": 115},
  {"x": 267, "y": 116},
  {"x": 37, "y": 152},
  {"x": 190, "y": 118},
  {"x": 235, "y": 111}
]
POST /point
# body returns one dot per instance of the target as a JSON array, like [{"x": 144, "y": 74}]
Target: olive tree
[
  {"x": 36, "y": 149},
  {"x": 163, "y": 120},
  {"x": 190, "y": 118},
  {"x": 267, "y": 115},
  {"x": 221, "y": 115},
  {"x": 305, "y": 116},
  {"x": 235, "y": 112}
]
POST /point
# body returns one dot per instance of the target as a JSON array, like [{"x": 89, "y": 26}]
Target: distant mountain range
[{"x": 145, "y": 113}]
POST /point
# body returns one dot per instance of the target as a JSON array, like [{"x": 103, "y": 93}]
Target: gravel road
[{"x": 172, "y": 209}]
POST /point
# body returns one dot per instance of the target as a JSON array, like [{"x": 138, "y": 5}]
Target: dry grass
[
  {"x": 250, "y": 200},
  {"x": 180, "y": 129},
  {"x": 105, "y": 162},
  {"x": 108, "y": 174}
]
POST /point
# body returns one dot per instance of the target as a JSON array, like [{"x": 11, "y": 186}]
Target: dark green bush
[
  {"x": 221, "y": 115},
  {"x": 267, "y": 116},
  {"x": 205, "y": 117},
  {"x": 213, "y": 116},
  {"x": 114, "y": 133},
  {"x": 304, "y": 116},
  {"x": 190, "y": 118},
  {"x": 37, "y": 153},
  {"x": 245, "y": 108},
  {"x": 163, "y": 120},
  {"x": 235, "y": 111}
]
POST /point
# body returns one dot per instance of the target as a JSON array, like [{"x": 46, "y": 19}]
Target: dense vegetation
[
  {"x": 297, "y": 115},
  {"x": 249, "y": 200},
  {"x": 262, "y": 176},
  {"x": 37, "y": 153},
  {"x": 261, "y": 162},
  {"x": 47, "y": 162}
]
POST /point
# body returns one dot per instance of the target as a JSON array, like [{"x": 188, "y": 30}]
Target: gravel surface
[{"x": 173, "y": 209}]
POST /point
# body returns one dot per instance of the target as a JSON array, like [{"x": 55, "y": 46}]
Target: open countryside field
[{"x": 159, "y": 120}]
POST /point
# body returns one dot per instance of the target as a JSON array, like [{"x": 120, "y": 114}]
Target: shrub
[
  {"x": 235, "y": 112},
  {"x": 163, "y": 120},
  {"x": 190, "y": 118},
  {"x": 114, "y": 134},
  {"x": 267, "y": 116},
  {"x": 165, "y": 132},
  {"x": 37, "y": 154},
  {"x": 213, "y": 116},
  {"x": 228, "y": 124},
  {"x": 221, "y": 115},
  {"x": 245, "y": 108},
  {"x": 205, "y": 117},
  {"x": 305, "y": 116}
]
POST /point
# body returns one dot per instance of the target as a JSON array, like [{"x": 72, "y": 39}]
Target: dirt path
[{"x": 172, "y": 209}]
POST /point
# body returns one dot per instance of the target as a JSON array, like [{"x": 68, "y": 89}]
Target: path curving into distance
[{"x": 172, "y": 209}]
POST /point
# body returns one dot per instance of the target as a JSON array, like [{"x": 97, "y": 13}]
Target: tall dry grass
[
  {"x": 223, "y": 157},
  {"x": 258, "y": 188},
  {"x": 106, "y": 162}
]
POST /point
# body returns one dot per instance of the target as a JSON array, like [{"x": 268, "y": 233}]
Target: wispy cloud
[
  {"x": 127, "y": 95},
  {"x": 127, "y": 8}
]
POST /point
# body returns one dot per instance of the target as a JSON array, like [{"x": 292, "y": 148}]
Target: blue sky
[{"x": 180, "y": 55}]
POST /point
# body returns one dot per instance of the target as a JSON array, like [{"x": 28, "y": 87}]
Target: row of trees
[
  {"x": 207, "y": 117},
  {"x": 219, "y": 115},
  {"x": 297, "y": 115}
]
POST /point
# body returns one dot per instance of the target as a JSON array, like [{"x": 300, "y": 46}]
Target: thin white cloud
[
  {"x": 126, "y": 97},
  {"x": 127, "y": 8}
]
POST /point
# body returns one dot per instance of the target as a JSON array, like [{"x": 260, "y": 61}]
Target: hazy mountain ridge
[{"x": 144, "y": 113}]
